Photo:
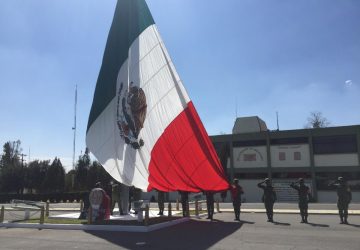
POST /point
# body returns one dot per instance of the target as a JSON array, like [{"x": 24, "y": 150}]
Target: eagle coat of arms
[{"x": 131, "y": 114}]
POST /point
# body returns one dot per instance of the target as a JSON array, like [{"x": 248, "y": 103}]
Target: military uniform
[
  {"x": 344, "y": 198},
  {"x": 269, "y": 198},
  {"x": 184, "y": 202},
  {"x": 124, "y": 199},
  {"x": 304, "y": 197},
  {"x": 210, "y": 204},
  {"x": 115, "y": 197},
  {"x": 161, "y": 202},
  {"x": 236, "y": 192},
  {"x": 135, "y": 196}
]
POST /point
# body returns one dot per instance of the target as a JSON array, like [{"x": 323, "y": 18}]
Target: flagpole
[{"x": 74, "y": 128}]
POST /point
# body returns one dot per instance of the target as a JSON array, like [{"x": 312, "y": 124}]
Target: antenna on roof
[{"x": 277, "y": 120}]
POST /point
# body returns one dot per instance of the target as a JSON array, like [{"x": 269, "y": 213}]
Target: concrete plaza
[{"x": 323, "y": 232}]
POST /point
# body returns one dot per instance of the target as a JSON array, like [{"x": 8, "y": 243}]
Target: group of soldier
[
  {"x": 123, "y": 195},
  {"x": 269, "y": 198}
]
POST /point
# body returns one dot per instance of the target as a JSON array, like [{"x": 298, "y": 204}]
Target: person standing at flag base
[
  {"x": 269, "y": 197},
  {"x": 115, "y": 197},
  {"x": 344, "y": 198},
  {"x": 184, "y": 202},
  {"x": 304, "y": 198},
  {"x": 236, "y": 192},
  {"x": 161, "y": 202},
  {"x": 210, "y": 204}
]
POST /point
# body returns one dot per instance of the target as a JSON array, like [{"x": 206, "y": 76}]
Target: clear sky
[{"x": 253, "y": 56}]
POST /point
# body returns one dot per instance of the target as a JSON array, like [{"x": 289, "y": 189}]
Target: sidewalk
[{"x": 293, "y": 211}]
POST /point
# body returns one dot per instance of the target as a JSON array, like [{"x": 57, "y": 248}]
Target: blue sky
[{"x": 293, "y": 57}]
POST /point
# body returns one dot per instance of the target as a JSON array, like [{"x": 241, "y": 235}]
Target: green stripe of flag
[{"x": 131, "y": 18}]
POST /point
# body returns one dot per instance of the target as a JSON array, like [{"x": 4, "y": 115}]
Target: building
[{"x": 252, "y": 153}]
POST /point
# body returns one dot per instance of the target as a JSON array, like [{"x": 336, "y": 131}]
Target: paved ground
[
  {"x": 323, "y": 232},
  {"x": 314, "y": 208},
  {"x": 226, "y": 205}
]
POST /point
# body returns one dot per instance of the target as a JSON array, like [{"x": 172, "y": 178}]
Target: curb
[{"x": 112, "y": 228}]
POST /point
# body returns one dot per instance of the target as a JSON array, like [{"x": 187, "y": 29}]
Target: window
[
  {"x": 294, "y": 140},
  {"x": 251, "y": 176},
  {"x": 291, "y": 175},
  {"x": 249, "y": 143},
  {"x": 297, "y": 156},
  {"x": 335, "y": 144},
  {"x": 282, "y": 156}
]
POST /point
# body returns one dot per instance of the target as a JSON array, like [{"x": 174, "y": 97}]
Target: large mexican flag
[{"x": 143, "y": 127}]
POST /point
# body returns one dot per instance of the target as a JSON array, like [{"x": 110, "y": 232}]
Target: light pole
[{"x": 74, "y": 141}]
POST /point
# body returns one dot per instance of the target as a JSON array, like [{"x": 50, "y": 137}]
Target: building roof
[{"x": 251, "y": 124}]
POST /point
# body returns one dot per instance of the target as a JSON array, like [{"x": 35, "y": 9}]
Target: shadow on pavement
[
  {"x": 246, "y": 222},
  {"x": 317, "y": 225},
  {"x": 281, "y": 223},
  {"x": 352, "y": 225},
  {"x": 189, "y": 235}
]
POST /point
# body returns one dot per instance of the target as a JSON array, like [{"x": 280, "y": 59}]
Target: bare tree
[{"x": 317, "y": 120}]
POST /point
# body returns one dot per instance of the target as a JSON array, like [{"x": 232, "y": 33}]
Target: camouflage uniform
[
  {"x": 304, "y": 197},
  {"x": 161, "y": 201},
  {"x": 210, "y": 204},
  {"x": 344, "y": 198},
  {"x": 184, "y": 202},
  {"x": 115, "y": 197},
  {"x": 236, "y": 192},
  {"x": 269, "y": 197}
]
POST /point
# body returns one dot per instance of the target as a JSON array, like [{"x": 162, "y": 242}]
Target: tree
[
  {"x": 81, "y": 171},
  {"x": 11, "y": 178},
  {"x": 55, "y": 177},
  {"x": 69, "y": 181},
  {"x": 97, "y": 173},
  {"x": 11, "y": 152},
  {"x": 35, "y": 175},
  {"x": 316, "y": 120},
  {"x": 32, "y": 176}
]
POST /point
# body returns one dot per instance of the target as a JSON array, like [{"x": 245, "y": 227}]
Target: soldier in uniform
[
  {"x": 210, "y": 204},
  {"x": 161, "y": 202},
  {"x": 236, "y": 192},
  {"x": 184, "y": 202},
  {"x": 135, "y": 195},
  {"x": 124, "y": 199},
  {"x": 344, "y": 198},
  {"x": 304, "y": 197},
  {"x": 269, "y": 197},
  {"x": 115, "y": 197}
]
